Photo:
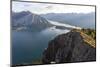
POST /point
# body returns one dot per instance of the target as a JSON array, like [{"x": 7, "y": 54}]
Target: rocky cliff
[
  {"x": 69, "y": 47},
  {"x": 28, "y": 21}
]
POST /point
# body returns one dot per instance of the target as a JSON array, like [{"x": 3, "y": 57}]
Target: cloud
[
  {"x": 48, "y": 7},
  {"x": 42, "y": 8}
]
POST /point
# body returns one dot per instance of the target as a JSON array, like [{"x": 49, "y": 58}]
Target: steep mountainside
[
  {"x": 69, "y": 47},
  {"x": 27, "y": 20}
]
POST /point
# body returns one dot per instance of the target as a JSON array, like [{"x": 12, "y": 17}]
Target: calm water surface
[{"x": 29, "y": 46}]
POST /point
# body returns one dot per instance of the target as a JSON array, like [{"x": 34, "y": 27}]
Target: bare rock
[{"x": 69, "y": 47}]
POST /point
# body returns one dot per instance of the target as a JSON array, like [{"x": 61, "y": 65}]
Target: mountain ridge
[
  {"x": 28, "y": 20},
  {"x": 84, "y": 20},
  {"x": 68, "y": 48}
]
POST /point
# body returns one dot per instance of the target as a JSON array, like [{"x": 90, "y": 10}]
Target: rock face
[
  {"x": 26, "y": 20},
  {"x": 69, "y": 47}
]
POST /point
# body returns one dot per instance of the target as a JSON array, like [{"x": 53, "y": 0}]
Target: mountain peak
[{"x": 27, "y": 20}]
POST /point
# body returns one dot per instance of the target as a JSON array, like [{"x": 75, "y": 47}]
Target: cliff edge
[{"x": 67, "y": 48}]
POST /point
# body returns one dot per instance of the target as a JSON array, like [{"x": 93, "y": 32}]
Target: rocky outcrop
[{"x": 69, "y": 47}]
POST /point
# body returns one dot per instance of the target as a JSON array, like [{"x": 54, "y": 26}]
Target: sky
[{"x": 43, "y": 8}]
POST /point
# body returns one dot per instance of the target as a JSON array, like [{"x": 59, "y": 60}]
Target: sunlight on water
[{"x": 62, "y": 24}]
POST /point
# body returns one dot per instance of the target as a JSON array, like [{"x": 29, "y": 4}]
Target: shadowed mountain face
[
  {"x": 28, "y": 21},
  {"x": 69, "y": 47},
  {"x": 77, "y": 19}
]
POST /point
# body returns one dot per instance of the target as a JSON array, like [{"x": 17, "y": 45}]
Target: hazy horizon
[{"x": 44, "y": 8}]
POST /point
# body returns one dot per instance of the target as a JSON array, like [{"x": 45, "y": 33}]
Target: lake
[{"x": 29, "y": 46}]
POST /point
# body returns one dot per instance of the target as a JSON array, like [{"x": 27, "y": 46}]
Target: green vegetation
[
  {"x": 89, "y": 36},
  {"x": 90, "y": 32}
]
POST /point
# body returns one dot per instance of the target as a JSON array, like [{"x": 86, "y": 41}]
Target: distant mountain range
[
  {"x": 77, "y": 19},
  {"x": 26, "y": 20}
]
